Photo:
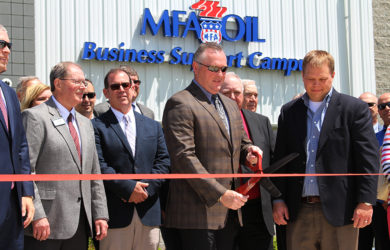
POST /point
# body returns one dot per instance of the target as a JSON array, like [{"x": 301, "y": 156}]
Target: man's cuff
[{"x": 277, "y": 201}]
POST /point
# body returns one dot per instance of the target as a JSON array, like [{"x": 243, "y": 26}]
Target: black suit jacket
[
  {"x": 347, "y": 144},
  {"x": 115, "y": 157},
  {"x": 261, "y": 133}
]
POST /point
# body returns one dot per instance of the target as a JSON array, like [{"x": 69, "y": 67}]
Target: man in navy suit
[
  {"x": 128, "y": 142},
  {"x": 15, "y": 197},
  {"x": 332, "y": 133}
]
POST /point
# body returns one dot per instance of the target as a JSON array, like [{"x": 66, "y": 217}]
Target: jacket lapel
[
  {"x": 202, "y": 99},
  {"x": 140, "y": 132},
  {"x": 84, "y": 139},
  {"x": 59, "y": 124},
  {"x": 331, "y": 116},
  {"x": 114, "y": 124}
]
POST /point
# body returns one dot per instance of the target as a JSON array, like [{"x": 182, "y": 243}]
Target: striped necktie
[{"x": 4, "y": 111}]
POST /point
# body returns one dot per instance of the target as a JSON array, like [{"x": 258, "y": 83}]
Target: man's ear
[
  {"x": 105, "y": 92},
  {"x": 57, "y": 83}
]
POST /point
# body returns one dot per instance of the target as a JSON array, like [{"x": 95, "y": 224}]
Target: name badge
[{"x": 58, "y": 122}]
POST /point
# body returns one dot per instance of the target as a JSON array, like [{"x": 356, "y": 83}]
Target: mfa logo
[{"x": 211, "y": 23}]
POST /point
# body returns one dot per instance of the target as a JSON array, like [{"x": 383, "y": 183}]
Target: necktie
[
  {"x": 4, "y": 111},
  {"x": 221, "y": 111},
  {"x": 129, "y": 132},
  {"x": 385, "y": 161},
  {"x": 74, "y": 135}
]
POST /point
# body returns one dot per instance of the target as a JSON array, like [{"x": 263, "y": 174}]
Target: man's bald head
[
  {"x": 233, "y": 88},
  {"x": 372, "y": 102}
]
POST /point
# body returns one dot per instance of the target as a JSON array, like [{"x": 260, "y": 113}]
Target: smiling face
[
  {"x": 210, "y": 81},
  {"x": 121, "y": 98},
  {"x": 4, "y": 52},
  {"x": 67, "y": 91},
  {"x": 318, "y": 81},
  {"x": 232, "y": 88},
  {"x": 250, "y": 97},
  {"x": 87, "y": 104},
  {"x": 384, "y": 113}
]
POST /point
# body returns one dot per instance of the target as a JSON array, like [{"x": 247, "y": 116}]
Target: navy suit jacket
[
  {"x": 347, "y": 144},
  {"x": 13, "y": 157},
  {"x": 116, "y": 157}
]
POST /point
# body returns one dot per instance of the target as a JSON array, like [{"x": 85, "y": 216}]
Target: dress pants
[
  {"x": 11, "y": 227},
  {"x": 135, "y": 236},
  {"x": 254, "y": 233},
  {"x": 205, "y": 239},
  {"x": 311, "y": 231},
  {"x": 78, "y": 241}
]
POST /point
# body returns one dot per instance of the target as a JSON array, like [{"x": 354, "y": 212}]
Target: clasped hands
[{"x": 139, "y": 193}]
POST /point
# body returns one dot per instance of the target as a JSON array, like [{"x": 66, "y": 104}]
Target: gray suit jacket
[
  {"x": 52, "y": 151},
  {"x": 103, "y": 107}
]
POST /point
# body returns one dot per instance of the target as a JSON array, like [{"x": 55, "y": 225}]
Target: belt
[{"x": 311, "y": 199}]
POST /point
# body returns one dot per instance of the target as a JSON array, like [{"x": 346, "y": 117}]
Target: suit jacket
[
  {"x": 115, "y": 156},
  {"x": 347, "y": 144},
  {"x": 52, "y": 151},
  {"x": 14, "y": 159},
  {"x": 262, "y": 135},
  {"x": 103, "y": 107},
  {"x": 198, "y": 142}
]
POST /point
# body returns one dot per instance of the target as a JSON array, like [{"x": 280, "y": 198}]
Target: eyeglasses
[
  {"x": 382, "y": 106},
  {"x": 371, "y": 104},
  {"x": 76, "y": 82},
  {"x": 138, "y": 82},
  {"x": 89, "y": 94},
  {"x": 117, "y": 86},
  {"x": 214, "y": 69},
  {"x": 5, "y": 43}
]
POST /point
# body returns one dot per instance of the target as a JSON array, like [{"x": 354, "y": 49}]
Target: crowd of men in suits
[{"x": 208, "y": 128}]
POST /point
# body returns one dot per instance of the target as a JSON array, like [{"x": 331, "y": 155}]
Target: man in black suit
[
  {"x": 333, "y": 133},
  {"x": 138, "y": 107},
  {"x": 128, "y": 142},
  {"x": 258, "y": 225}
]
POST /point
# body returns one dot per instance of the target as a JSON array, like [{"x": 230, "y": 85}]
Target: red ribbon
[{"x": 72, "y": 177}]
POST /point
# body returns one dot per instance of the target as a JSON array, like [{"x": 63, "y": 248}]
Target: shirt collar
[
  {"x": 119, "y": 115},
  {"x": 306, "y": 98},
  {"x": 64, "y": 112},
  {"x": 208, "y": 94}
]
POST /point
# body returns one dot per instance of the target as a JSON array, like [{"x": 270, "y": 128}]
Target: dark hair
[
  {"x": 199, "y": 52},
  {"x": 112, "y": 71},
  {"x": 129, "y": 70}
]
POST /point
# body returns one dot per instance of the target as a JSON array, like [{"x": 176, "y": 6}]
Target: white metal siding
[{"x": 291, "y": 28}]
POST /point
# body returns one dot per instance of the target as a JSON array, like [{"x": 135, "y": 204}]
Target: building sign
[{"x": 209, "y": 25}]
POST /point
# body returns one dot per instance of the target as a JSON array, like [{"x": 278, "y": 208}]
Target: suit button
[{"x": 78, "y": 199}]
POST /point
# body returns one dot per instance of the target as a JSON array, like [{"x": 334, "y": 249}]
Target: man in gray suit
[
  {"x": 61, "y": 141},
  {"x": 138, "y": 107}
]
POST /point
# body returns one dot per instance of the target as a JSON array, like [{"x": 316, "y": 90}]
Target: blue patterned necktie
[{"x": 221, "y": 111}]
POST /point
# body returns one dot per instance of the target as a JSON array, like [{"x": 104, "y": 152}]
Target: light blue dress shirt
[{"x": 314, "y": 124}]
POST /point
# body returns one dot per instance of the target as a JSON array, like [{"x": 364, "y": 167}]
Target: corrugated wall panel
[{"x": 291, "y": 28}]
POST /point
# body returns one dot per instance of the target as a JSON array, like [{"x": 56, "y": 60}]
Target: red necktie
[
  {"x": 74, "y": 135},
  {"x": 4, "y": 111}
]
